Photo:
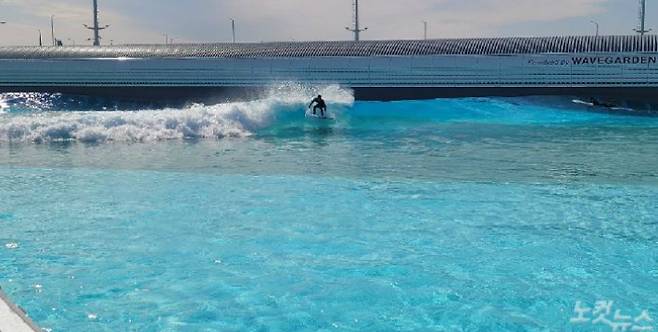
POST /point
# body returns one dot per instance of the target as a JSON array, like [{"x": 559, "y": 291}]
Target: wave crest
[{"x": 237, "y": 119}]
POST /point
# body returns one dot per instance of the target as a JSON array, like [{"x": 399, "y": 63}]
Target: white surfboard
[
  {"x": 582, "y": 102},
  {"x": 619, "y": 109},
  {"x": 316, "y": 116},
  {"x": 622, "y": 109}
]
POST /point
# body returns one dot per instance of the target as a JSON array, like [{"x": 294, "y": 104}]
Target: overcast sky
[{"x": 146, "y": 21}]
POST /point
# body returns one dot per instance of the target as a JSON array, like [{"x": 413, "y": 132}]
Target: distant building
[{"x": 622, "y": 68}]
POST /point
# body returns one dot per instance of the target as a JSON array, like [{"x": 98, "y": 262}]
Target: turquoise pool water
[{"x": 445, "y": 215}]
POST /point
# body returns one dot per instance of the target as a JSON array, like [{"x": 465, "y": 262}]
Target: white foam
[
  {"x": 237, "y": 119},
  {"x": 11, "y": 245}
]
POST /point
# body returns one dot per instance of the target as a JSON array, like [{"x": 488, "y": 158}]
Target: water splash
[
  {"x": 43, "y": 118},
  {"x": 47, "y": 121}
]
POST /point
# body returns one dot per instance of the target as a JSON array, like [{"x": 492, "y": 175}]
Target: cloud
[
  {"x": 514, "y": 11},
  {"x": 61, "y": 8},
  {"x": 28, "y": 16}
]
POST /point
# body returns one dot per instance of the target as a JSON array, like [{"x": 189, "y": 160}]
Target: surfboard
[
  {"x": 622, "y": 109},
  {"x": 582, "y": 102},
  {"x": 310, "y": 115},
  {"x": 615, "y": 108}
]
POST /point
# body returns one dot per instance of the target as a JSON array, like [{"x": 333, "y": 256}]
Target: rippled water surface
[{"x": 446, "y": 215}]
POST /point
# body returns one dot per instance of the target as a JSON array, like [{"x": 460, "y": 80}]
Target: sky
[{"x": 148, "y": 21}]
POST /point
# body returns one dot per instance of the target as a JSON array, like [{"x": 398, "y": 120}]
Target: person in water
[
  {"x": 319, "y": 104},
  {"x": 596, "y": 102}
]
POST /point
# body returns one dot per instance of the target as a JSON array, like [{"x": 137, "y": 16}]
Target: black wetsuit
[
  {"x": 319, "y": 103},
  {"x": 595, "y": 102}
]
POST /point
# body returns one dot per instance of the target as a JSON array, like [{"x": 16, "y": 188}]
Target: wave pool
[{"x": 446, "y": 215}]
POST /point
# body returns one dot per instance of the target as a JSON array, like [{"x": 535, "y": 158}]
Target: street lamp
[
  {"x": 52, "y": 30},
  {"x": 233, "y": 28},
  {"x": 597, "y": 27},
  {"x": 425, "y": 29}
]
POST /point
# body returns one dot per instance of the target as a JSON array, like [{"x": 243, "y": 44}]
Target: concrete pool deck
[{"x": 12, "y": 318}]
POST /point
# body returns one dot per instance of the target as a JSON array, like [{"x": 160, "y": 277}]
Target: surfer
[
  {"x": 596, "y": 102},
  {"x": 319, "y": 104}
]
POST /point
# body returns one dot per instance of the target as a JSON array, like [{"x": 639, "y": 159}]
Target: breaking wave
[
  {"x": 43, "y": 118},
  {"x": 33, "y": 118}
]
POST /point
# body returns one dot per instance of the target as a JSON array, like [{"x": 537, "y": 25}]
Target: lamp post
[
  {"x": 425, "y": 30},
  {"x": 597, "y": 27},
  {"x": 642, "y": 28},
  {"x": 233, "y": 29},
  {"x": 356, "y": 28},
  {"x": 96, "y": 28},
  {"x": 52, "y": 30}
]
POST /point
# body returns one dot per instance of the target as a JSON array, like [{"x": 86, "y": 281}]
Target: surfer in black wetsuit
[
  {"x": 596, "y": 102},
  {"x": 319, "y": 103}
]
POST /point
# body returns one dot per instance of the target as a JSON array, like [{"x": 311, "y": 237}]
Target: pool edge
[{"x": 19, "y": 315}]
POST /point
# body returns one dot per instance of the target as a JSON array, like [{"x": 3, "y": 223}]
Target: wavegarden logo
[{"x": 611, "y": 60}]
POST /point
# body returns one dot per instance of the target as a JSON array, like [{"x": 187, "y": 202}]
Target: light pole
[
  {"x": 597, "y": 27},
  {"x": 233, "y": 29},
  {"x": 52, "y": 30},
  {"x": 356, "y": 28},
  {"x": 425, "y": 30},
  {"x": 96, "y": 28},
  {"x": 642, "y": 29}
]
